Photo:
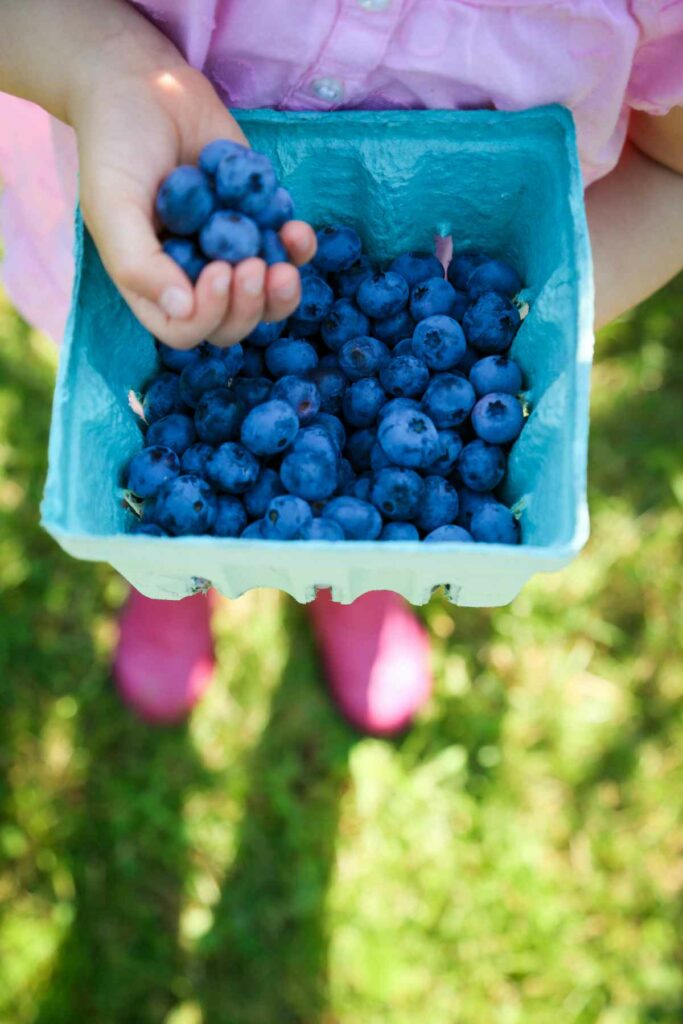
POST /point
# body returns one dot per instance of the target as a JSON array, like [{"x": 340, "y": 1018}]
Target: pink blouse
[{"x": 601, "y": 58}]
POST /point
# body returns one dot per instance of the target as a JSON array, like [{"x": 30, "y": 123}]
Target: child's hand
[{"x": 128, "y": 141}]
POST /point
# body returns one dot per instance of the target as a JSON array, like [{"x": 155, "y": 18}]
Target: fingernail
[
  {"x": 287, "y": 291},
  {"x": 253, "y": 284},
  {"x": 221, "y": 283},
  {"x": 176, "y": 302}
]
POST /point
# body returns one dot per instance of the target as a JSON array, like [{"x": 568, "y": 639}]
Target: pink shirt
[{"x": 600, "y": 58}]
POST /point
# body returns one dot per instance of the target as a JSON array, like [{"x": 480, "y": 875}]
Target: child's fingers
[
  {"x": 298, "y": 238},
  {"x": 246, "y": 306},
  {"x": 283, "y": 292}
]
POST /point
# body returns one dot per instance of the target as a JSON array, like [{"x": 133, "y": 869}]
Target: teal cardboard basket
[{"x": 508, "y": 183}]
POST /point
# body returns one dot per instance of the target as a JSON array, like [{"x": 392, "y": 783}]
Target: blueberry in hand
[
  {"x": 358, "y": 519},
  {"x": 290, "y": 355},
  {"x": 269, "y": 428},
  {"x": 212, "y": 154},
  {"x": 382, "y": 294},
  {"x": 185, "y": 253},
  {"x": 449, "y": 399},
  {"x": 449, "y": 534},
  {"x": 490, "y": 323},
  {"x": 439, "y": 342},
  {"x": 185, "y": 200},
  {"x": 397, "y": 493},
  {"x": 331, "y": 384},
  {"x": 322, "y": 529},
  {"x": 362, "y": 357},
  {"x": 218, "y": 416},
  {"x": 310, "y": 475},
  {"x": 149, "y": 469},
  {"x": 405, "y": 376},
  {"x": 185, "y": 505},
  {"x": 231, "y": 517},
  {"x": 461, "y": 266},
  {"x": 433, "y": 297},
  {"x": 399, "y": 531},
  {"x": 257, "y": 499},
  {"x": 163, "y": 397},
  {"x": 497, "y": 418},
  {"x": 344, "y": 322},
  {"x": 494, "y": 523},
  {"x": 286, "y": 517},
  {"x": 301, "y": 394},
  {"x": 338, "y": 248},
  {"x": 494, "y": 276},
  {"x": 193, "y": 459},
  {"x": 317, "y": 299},
  {"x": 176, "y": 431},
  {"x": 206, "y": 373},
  {"x": 252, "y": 391},
  {"x": 409, "y": 438},
  {"x": 416, "y": 267},
  {"x": 277, "y": 211},
  {"x": 439, "y": 504},
  {"x": 246, "y": 179},
  {"x": 272, "y": 250},
  {"x": 481, "y": 465},
  {"x": 232, "y": 468},
  {"x": 231, "y": 236},
  {"x": 362, "y": 401},
  {"x": 496, "y": 373},
  {"x": 347, "y": 282}
]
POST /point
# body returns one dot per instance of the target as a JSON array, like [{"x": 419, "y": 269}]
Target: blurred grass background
[{"x": 516, "y": 859}]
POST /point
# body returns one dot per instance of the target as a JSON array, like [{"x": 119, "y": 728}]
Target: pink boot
[
  {"x": 376, "y": 655},
  {"x": 164, "y": 661}
]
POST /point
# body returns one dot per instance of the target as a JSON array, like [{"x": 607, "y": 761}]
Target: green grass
[{"x": 516, "y": 859}]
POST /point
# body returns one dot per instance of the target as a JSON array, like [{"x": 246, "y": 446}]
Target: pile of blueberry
[{"x": 383, "y": 408}]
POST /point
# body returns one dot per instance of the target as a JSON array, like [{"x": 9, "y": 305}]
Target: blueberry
[
  {"x": 286, "y": 517},
  {"x": 338, "y": 248},
  {"x": 149, "y": 529},
  {"x": 230, "y": 517},
  {"x": 163, "y": 397},
  {"x": 322, "y": 529},
  {"x": 218, "y": 416},
  {"x": 397, "y": 403},
  {"x": 229, "y": 235},
  {"x": 246, "y": 179},
  {"x": 254, "y": 531},
  {"x": 497, "y": 418},
  {"x": 403, "y": 348},
  {"x": 449, "y": 534},
  {"x": 496, "y": 373},
  {"x": 450, "y": 446},
  {"x": 439, "y": 342},
  {"x": 329, "y": 361},
  {"x": 382, "y": 294},
  {"x": 185, "y": 505},
  {"x": 491, "y": 323},
  {"x": 212, "y": 154},
  {"x": 347, "y": 282},
  {"x": 358, "y": 519},
  {"x": 433, "y": 297},
  {"x": 409, "y": 438},
  {"x": 449, "y": 399},
  {"x": 176, "y": 359},
  {"x": 362, "y": 402},
  {"x": 462, "y": 265},
  {"x": 362, "y": 357},
  {"x": 297, "y": 328},
  {"x": 269, "y": 428},
  {"x": 439, "y": 504},
  {"x": 331, "y": 384},
  {"x": 252, "y": 391},
  {"x": 417, "y": 267},
  {"x": 334, "y": 427},
  {"x": 397, "y": 492},
  {"x": 494, "y": 523},
  {"x": 301, "y": 394},
  {"x": 184, "y": 200},
  {"x": 399, "y": 531},
  {"x": 150, "y": 468},
  {"x": 494, "y": 276},
  {"x": 252, "y": 362},
  {"x": 471, "y": 502},
  {"x": 358, "y": 448},
  {"x": 344, "y": 322},
  {"x": 193, "y": 459},
  {"x": 316, "y": 440},
  {"x": 405, "y": 376},
  {"x": 277, "y": 211},
  {"x": 347, "y": 477},
  {"x": 232, "y": 468},
  {"x": 379, "y": 458},
  {"x": 460, "y": 305},
  {"x": 206, "y": 373},
  {"x": 176, "y": 431},
  {"x": 257, "y": 499},
  {"x": 232, "y": 356},
  {"x": 317, "y": 299},
  {"x": 310, "y": 475},
  {"x": 185, "y": 253},
  {"x": 264, "y": 334},
  {"x": 272, "y": 250},
  {"x": 481, "y": 465},
  {"x": 467, "y": 361},
  {"x": 290, "y": 355},
  {"x": 361, "y": 487},
  {"x": 393, "y": 328}
]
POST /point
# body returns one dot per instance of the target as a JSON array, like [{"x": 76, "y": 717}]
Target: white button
[
  {"x": 374, "y": 5},
  {"x": 328, "y": 89}
]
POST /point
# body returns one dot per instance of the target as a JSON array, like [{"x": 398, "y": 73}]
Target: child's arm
[
  {"x": 635, "y": 216},
  {"x": 138, "y": 110}
]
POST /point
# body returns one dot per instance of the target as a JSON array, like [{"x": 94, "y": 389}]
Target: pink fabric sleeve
[{"x": 656, "y": 83}]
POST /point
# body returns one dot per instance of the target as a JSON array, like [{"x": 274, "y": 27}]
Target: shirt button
[
  {"x": 373, "y": 5},
  {"x": 328, "y": 89}
]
